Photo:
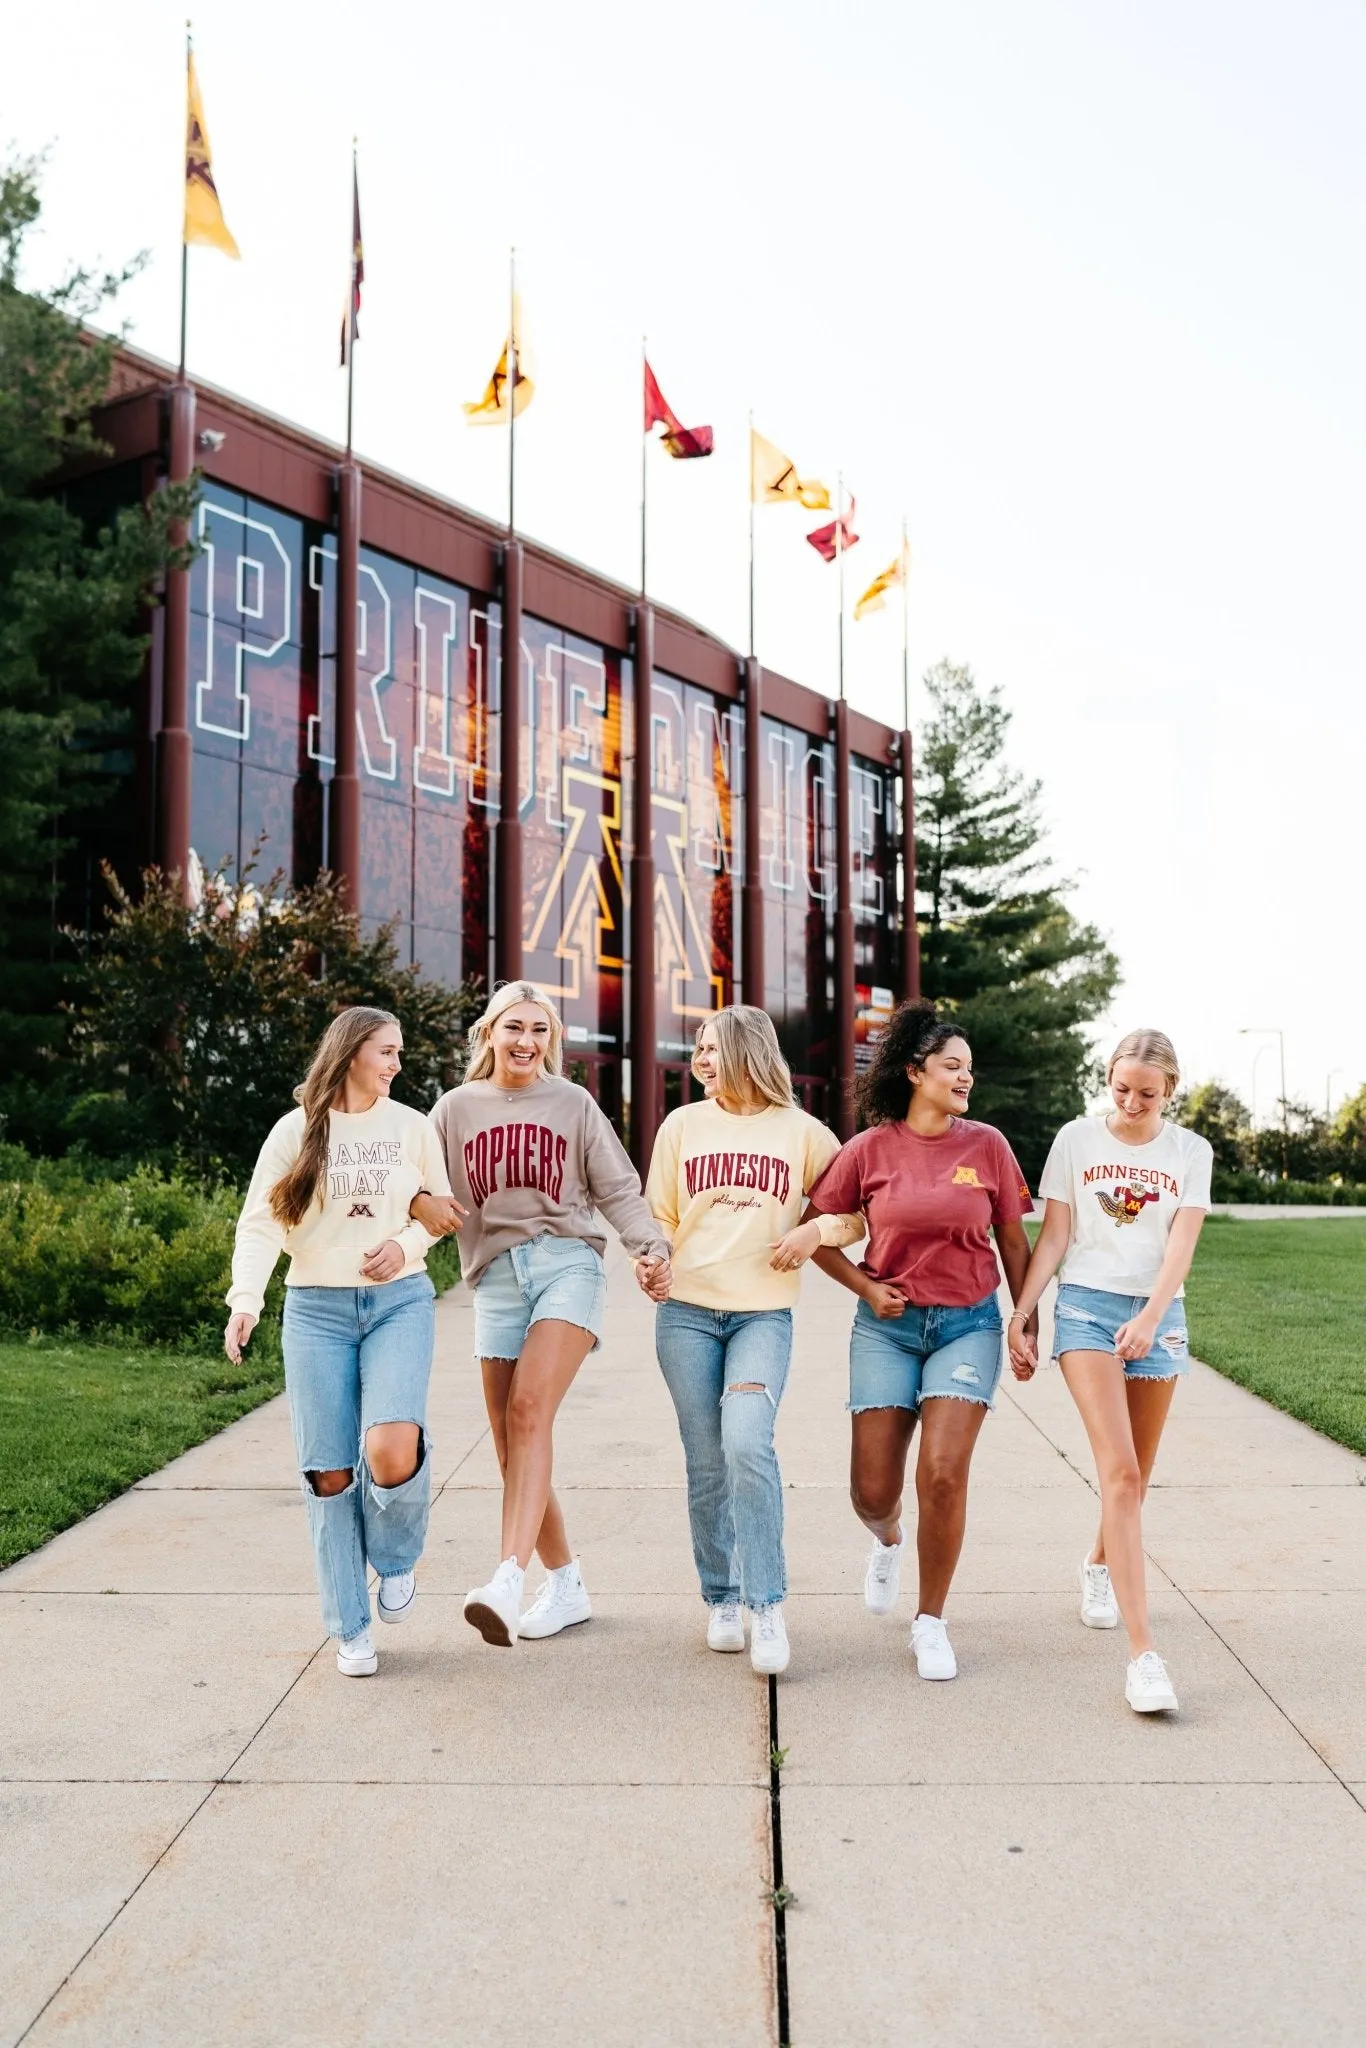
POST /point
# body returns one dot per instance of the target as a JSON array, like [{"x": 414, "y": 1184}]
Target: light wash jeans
[
  {"x": 355, "y": 1356},
  {"x": 735, "y": 1490}
]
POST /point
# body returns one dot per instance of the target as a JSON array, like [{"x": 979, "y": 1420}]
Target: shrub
[{"x": 1258, "y": 1187}]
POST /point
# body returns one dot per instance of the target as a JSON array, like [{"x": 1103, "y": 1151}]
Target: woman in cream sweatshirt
[
  {"x": 727, "y": 1182},
  {"x": 332, "y": 1187}
]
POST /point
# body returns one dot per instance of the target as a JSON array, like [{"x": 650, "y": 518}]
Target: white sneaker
[
  {"x": 726, "y": 1626},
  {"x": 1147, "y": 1687},
  {"x": 494, "y": 1609},
  {"x": 934, "y": 1656},
  {"x": 769, "y": 1649},
  {"x": 1099, "y": 1608},
  {"x": 882, "y": 1580},
  {"x": 562, "y": 1601},
  {"x": 396, "y": 1597},
  {"x": 356, "y": 1656}
]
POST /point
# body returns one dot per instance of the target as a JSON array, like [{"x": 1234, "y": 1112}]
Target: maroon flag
[
  {"x": 836, "y": 538},
  {"x": 350, "y": 331},
  {"x": 679, "y": 441}
]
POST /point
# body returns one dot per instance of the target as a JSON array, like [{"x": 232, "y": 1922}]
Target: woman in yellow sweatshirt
[
  {"x": 727, "y": 1183},
  {"x": 332, "y": 1187}
]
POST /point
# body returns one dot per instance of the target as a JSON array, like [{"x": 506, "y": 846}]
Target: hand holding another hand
[
  {"x": 656, "y": 1277},
  {"x": 439, "y": 1215},
  {"x": 794, "y": 1249}
]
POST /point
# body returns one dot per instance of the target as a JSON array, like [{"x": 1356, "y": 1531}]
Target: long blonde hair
[
  {"x": 506, "y": 998},
  {"x": 295, "y": 1192},
  {"x": 1150, "y": 1049},
  {"x": 748, "y": 1059}
]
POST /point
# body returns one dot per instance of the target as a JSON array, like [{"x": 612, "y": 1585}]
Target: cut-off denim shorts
[
  {"x": 925, "y": 1354},
  {"x": 559, "y": 1279},
  {"x": 1087, "y": 1319}
]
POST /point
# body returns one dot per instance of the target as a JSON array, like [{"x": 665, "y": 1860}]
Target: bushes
[
  {"x": 1258, "y": 1187},
  {"x": 145, "y": 1259}
]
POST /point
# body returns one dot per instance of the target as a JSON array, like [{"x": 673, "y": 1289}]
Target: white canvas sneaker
[
  {"x": 396, "y": 1597},
  {"x": 1099, "y": 1608},
  {"x": 882, "y": 1580},
  {"x": 1147, "y": 1687},
  {"x": 494, "y": 1609},
  {"x": 934, "y": 1656},
  {"x": 769, "y": 1650},
  {"x": 726, "y": 1626},
  {"x": 356, "y": 1656},
  {"x": 561, "y": 1602}
]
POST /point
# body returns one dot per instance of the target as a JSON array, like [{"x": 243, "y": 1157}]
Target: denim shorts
[
  {"x": 1086, "y": 1319},
  {"x": 558, "y": 1279},
  {"x": 925, "y": 1354}
]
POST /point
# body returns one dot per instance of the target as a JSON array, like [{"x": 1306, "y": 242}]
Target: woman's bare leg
[
  {"x": 538, "y": 1382},
  {"x": 552, "y": 1541},
  {"x": 1095, "y": 1380},
  {"x": 949, "y": 1430},
  {"x": 880, "y": 1442},
  {"x": 1149, "y": 1406}
]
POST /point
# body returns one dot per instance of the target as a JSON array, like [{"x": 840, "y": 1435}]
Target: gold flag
[
  {"x": 204, "y": 220},
  {"x": 873, "y": 599},
  {"x": 492, "y": 409},
  {"x": 773, "y": 478}
]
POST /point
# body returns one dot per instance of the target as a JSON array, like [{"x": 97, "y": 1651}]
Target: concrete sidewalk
[{"x": 209, "y": 1837}]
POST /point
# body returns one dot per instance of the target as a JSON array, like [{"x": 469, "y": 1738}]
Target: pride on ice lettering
[
  {"x": 530, "y": 1157},
  {"x": 1153, "y": 1175},
  {"x": 361, "y": 1169},
  {"x": 738, "y": 1170}
]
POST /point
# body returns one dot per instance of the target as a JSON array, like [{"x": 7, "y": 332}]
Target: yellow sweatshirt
[
  {"x": 376, "y": 1162},
  {"x": 726, "y": 1188}
]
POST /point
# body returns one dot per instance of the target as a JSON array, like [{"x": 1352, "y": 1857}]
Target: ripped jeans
[
  {"x": 356, "y": 1356},
  {"x": 726, "y": 1370}
]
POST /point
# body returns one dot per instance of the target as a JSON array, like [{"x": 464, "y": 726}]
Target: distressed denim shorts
[
  {"x": 925, "y": 1354},
  {"x": 559, "y": 1279},
  {"x": 1086, "y": 1319}
]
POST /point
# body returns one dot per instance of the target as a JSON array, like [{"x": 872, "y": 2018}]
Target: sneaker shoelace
[
  {"x": 728, "y": 1614},
  {"x": 931, "y": 1630},
  {"x": 1098, "y": 1584},
  {"x": 883, "y": 1559},
  {"x": 766, "y": 1624},
  {"x": 1151, "y": 1669}
]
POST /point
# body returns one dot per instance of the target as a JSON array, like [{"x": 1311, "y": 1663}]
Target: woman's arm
[
  {"x": 1135, "y": 1338},
  {"x": 1049, "y": 1250},
  {"x": 259, "y": 1238},
  {"x": 614, "y": 1186}
]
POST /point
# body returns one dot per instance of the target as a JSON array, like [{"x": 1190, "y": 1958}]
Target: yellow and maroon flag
[
  {"x": 773, "y": 478},
  {"x": 874, "y": 597},
  {"x": 679, "y": 441},
  {"x": 493, "y": 408},
  {"x": 204, "y": 220},
  {"x": 350, "y": 332},
  {"x": 837, "y": 538}
]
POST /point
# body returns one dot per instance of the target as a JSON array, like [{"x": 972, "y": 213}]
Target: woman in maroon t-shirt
[{"x": 926, "y": 1340}]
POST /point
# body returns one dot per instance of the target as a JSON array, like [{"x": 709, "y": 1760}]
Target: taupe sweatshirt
[{"x": 540, "y": 1159}]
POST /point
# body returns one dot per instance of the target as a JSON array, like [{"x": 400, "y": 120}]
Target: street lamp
[
  {"x": 1328, "y": 1095},
  {"x": 1274, "y": 1031}
]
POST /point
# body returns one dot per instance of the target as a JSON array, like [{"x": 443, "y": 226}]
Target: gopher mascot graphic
[{"x": 1127, "y": 1205}]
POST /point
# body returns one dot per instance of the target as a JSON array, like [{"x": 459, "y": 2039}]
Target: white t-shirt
[{"x": 1123, "y": 1199}]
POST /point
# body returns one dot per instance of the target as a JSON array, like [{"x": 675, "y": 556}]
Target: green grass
[
  {"x": 81, "y": 1421},
  {"x": 1281, "y": 1309}
]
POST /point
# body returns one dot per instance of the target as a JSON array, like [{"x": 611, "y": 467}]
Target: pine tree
[
  {"x": 998, "y": 944},
  {"x": 72, "y": 638}
]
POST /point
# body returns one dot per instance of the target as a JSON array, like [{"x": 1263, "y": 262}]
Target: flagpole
[
  {"x": 351, "y": 305},
  {"x": 644, "y": 466},
  {"x": 512, "y": 391},
  {"x": 905, "y": 638},
  {"x": 839, "y": 564},
  {"x": 184, "y": 245},
  {"x": 751, "y": 534}
]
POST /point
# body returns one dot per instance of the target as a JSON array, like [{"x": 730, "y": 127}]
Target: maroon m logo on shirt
[{"x": 361, "y": 1209}]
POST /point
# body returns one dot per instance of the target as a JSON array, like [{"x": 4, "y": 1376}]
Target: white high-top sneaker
[
  {"x": 396, "y": 1596},
  {"x": 494, "y": 1609},
  {"x": 561, "y": 1602}
]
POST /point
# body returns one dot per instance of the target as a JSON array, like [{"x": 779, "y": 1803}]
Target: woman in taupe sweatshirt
[{"x": 531, "y": 1156}]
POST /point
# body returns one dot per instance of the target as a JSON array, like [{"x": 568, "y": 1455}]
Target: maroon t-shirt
[{"x": 930, "y": 1204}]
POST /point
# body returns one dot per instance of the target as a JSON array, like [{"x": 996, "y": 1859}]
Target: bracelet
[{"x": 1021, "y": 1315}]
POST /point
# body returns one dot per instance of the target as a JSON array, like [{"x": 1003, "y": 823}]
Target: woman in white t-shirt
[{"x": 1126, "y": 1196}]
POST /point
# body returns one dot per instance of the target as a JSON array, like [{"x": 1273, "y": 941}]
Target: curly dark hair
[{"x": 915, "y": 1031}]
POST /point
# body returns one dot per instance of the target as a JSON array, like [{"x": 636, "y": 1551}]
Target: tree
[
  {"x": 72, "y": 618},
  {"x": 998, "y": 944},
  {"x": 197, "y": 1023},
  {"x": 1349, "y": 1137},
  {"x": 1298, "y": 1146},
  {"x": 1221, "y": 1116}
]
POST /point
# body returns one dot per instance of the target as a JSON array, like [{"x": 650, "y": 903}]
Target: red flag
[
  {"x": 350, "y": 330},
  {"x": 679, "y": 441},
  {"x": 824, "y": 539}
]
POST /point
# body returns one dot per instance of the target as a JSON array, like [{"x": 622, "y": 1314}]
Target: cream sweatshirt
[
  {"x": 726, "y": 1188},
  {"x": 376, "y": 1163},
  {"x": 538, "y": 1160}
]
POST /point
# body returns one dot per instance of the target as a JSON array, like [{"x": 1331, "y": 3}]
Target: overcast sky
[{"x": 1076, "y": 287}]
